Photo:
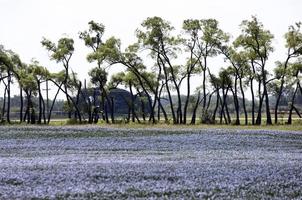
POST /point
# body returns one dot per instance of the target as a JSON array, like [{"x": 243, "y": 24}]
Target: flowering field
[{"x": 88, "y": 162}]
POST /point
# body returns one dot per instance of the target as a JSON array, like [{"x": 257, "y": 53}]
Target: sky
[{"x": 25, "y": 22}]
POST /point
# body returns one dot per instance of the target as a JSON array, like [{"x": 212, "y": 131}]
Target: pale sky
[{"x": 25, "y": 22}]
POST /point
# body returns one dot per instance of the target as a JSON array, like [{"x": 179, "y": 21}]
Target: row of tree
[{"x": 175, "y": 59}]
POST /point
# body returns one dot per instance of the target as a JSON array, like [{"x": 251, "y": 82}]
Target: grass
[
  {"x": 296, "y": 126},
  {"x": 293, "y": 127}
]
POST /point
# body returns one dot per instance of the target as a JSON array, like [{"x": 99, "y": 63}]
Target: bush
[
  {"x": 72, "y": 121},
  {"x": 206, "y": 118},
  {"x": 297, "y": 122}
]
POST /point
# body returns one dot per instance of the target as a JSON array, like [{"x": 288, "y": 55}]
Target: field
[{"x": 89, "y": 162}]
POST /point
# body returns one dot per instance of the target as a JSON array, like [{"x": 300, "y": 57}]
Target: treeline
[{"x": 175, "y": 59}]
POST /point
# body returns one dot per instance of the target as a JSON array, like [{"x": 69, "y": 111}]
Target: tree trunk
[
  {"x": 204, "y": 84},
  {"x": 43, "y": 110},
  {"x": 78, "y": 99},
  {"x": 187, "y": 99},
  {"x": 53, "y": 103},
  {"x": 253, "y": 102},
  {"x": 112, "y": 110},
  {"x": 280, "y": 91},
  {"x": 268, "y": 112},
  {"x": 179, "y": 108},
  {"x": 236, "y": 102},
  {"x": 21, "y": 104},
  {"x": 289, "y": 121},
  {"x": 132, "y": 102},
  {"x": 216, "y": 106},
  {"x": 261, "y": 97},
  {"x": 193, "y": 120},
  {"x": 8, "y": 97},
  {"x": 68, "y": 101},
  {"x": 40, "y": 102},
  {"x": 243, "y": 101},
  {"x": 297, "y": 111},
  {"x": 4, "y": 104},
  {"x": 89, "y": 102},
  {"x": 170, "y": 97},
  {"x": 227, "y": 110}
]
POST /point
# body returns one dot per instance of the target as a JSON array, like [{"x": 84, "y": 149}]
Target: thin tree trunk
[
  {"x": 216, "y": 106},
  {"x": 209, "y": 101},
  {"x": 187, "y": 98},
  {"x": 227, "y": 109},
  {"x": 297, "y": 111},
  {"x": 53, "y": 103},
  {"x": 204, "y": 84},
  {"x": 89, "y": 103},
  {"x": 68, "y": 101},
  {"x": 43, "y": 110},
  {"x": 132, "y": 102},
  {"x": 253, "y": 102},
  {"x": 78, "y": 99},
  {"x": 289, "y": 121},
  {"x": 112, "y": 110},
  {"x": 8, "y": 97},
  {"x": 280, "y": 91},
  {"x": 169, "y": 95},
  {"x": 268, "y": 112},
  {"x": 236, "y": 102},
  {"x": 21, "y": 104},
  {"x": 40, "y": 102},
  {"x": 4, "y": 103},
  {"x": 243, "y": 101},
  {"x": 193, "y": 120},
  {"x": 261, "y": 97}
]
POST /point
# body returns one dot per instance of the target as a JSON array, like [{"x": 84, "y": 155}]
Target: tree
[
  {"x": 99, "y": 78},
  {"x": 241, "y": 69},
  {"x": 293, "y": 72},
  {"x": 211, "y": 37},
  {"x": 112, "y": 54},
  {"x": 62, "y": 52},
  {"x": 294, "y": 49},
  {"x": 155, "y": 36},
  {"x": 29, "y": 85},
  {"x": 127, "y": 79},
  {"x": 192, "y": 28},
  {"x": 226, "y": 85},
  {"x": 9, "y": 62},
  {"x": 41, "y": 75},
  {"x": 258, "y": 43},
  {"x": 93, "y": 39}
]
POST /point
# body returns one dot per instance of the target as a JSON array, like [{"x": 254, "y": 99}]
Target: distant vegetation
[{"x": 154, "y": 92}]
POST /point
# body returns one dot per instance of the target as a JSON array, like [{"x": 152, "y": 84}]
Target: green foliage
[
  {"x": 109, "y": 51},
  {"x": 98, "y": 76},
  {"x": 294, "y": 38},
  {"x": 156, "y": 36},
  {"x": 60, "y": 52},
  {"x": 93, "y": 37},
  {"x": 255, "y": 39},
  {"x": 27, "y": 80},
  {"x": 225, "y": 77}
]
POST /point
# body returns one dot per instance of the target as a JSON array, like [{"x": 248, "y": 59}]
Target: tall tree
[
  {"x": 294, "y": 49},
  {"x": 258, "y": 42},
  {"x": 93, "y": 39},
  {"x": 156, "y": 37},
  {"x": 62, "y": 53},
  {"x": 294, "y": 72},
  {"x": 192, "y": 28},
  {"x": 41, "y": 75}
]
